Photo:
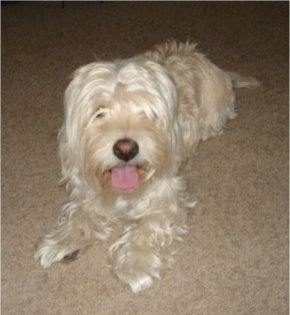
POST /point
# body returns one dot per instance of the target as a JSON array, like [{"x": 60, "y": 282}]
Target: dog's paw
[
  {"x": 138, "y": 280},
  {"x": 138, "y": 269},
  {"x": 49, "y": 252}
]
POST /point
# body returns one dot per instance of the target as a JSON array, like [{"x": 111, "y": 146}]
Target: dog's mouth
[{"x": 125, "y": 177}]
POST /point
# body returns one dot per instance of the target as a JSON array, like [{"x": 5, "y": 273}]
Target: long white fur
[{"x": 167, "y": 100}]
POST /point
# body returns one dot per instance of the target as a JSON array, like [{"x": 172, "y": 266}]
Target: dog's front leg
[
  {"x": 75, "y": 232},
  {"x": 144, "y": 250}
]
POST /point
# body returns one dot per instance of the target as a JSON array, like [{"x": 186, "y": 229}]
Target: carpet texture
[{"x": 235, "y": 259}]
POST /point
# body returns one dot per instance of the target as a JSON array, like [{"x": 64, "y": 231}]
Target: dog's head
[{"x": 121, "y": 126}]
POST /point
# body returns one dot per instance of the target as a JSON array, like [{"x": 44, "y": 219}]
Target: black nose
[{"x": 126, "y": 149}]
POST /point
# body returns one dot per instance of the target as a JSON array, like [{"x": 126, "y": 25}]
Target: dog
[{"x": 128, "y": 129}]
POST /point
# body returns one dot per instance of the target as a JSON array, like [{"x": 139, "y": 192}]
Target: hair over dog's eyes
[{"x": 148, "y": 113}]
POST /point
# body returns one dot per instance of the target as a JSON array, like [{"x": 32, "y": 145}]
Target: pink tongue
[{"x": 125, "y": 177}]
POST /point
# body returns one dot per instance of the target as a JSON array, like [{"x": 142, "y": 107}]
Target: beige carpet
[{"x": 235, "y": 260}]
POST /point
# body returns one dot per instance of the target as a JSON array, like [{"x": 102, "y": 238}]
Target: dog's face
[{"x": 121, "y": 126}]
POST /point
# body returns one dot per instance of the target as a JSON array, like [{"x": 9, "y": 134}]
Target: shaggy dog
[{"x": 129, "y": 126}]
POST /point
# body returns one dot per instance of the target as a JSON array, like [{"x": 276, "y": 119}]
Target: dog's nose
[{"x": 126, "y": 149}]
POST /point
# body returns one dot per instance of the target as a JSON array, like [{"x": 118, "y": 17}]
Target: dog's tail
[{"x": 240, "y": 81}]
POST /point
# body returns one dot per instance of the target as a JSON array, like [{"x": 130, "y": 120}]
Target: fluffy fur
[{"x": 129, "y": 126}]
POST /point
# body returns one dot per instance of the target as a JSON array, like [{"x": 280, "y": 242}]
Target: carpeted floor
[{"x": 235, "y": 260}]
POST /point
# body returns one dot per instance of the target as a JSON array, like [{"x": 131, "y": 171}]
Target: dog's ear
[{"x": 69, "y": 135}]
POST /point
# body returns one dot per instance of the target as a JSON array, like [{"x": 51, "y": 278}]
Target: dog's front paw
[
  {"x": 139, "y": 269},
  {"x": 50, "y": 251}
]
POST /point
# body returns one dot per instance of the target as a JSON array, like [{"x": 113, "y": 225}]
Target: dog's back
[{"x": 205, "y": 92}]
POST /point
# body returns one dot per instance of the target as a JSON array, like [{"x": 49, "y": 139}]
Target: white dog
[{"x": 129, "y": 125}]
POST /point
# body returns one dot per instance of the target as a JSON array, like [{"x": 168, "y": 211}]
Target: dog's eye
[
  {"x": 148, "y": 114},
  {"x": 101, "y": 113}
]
